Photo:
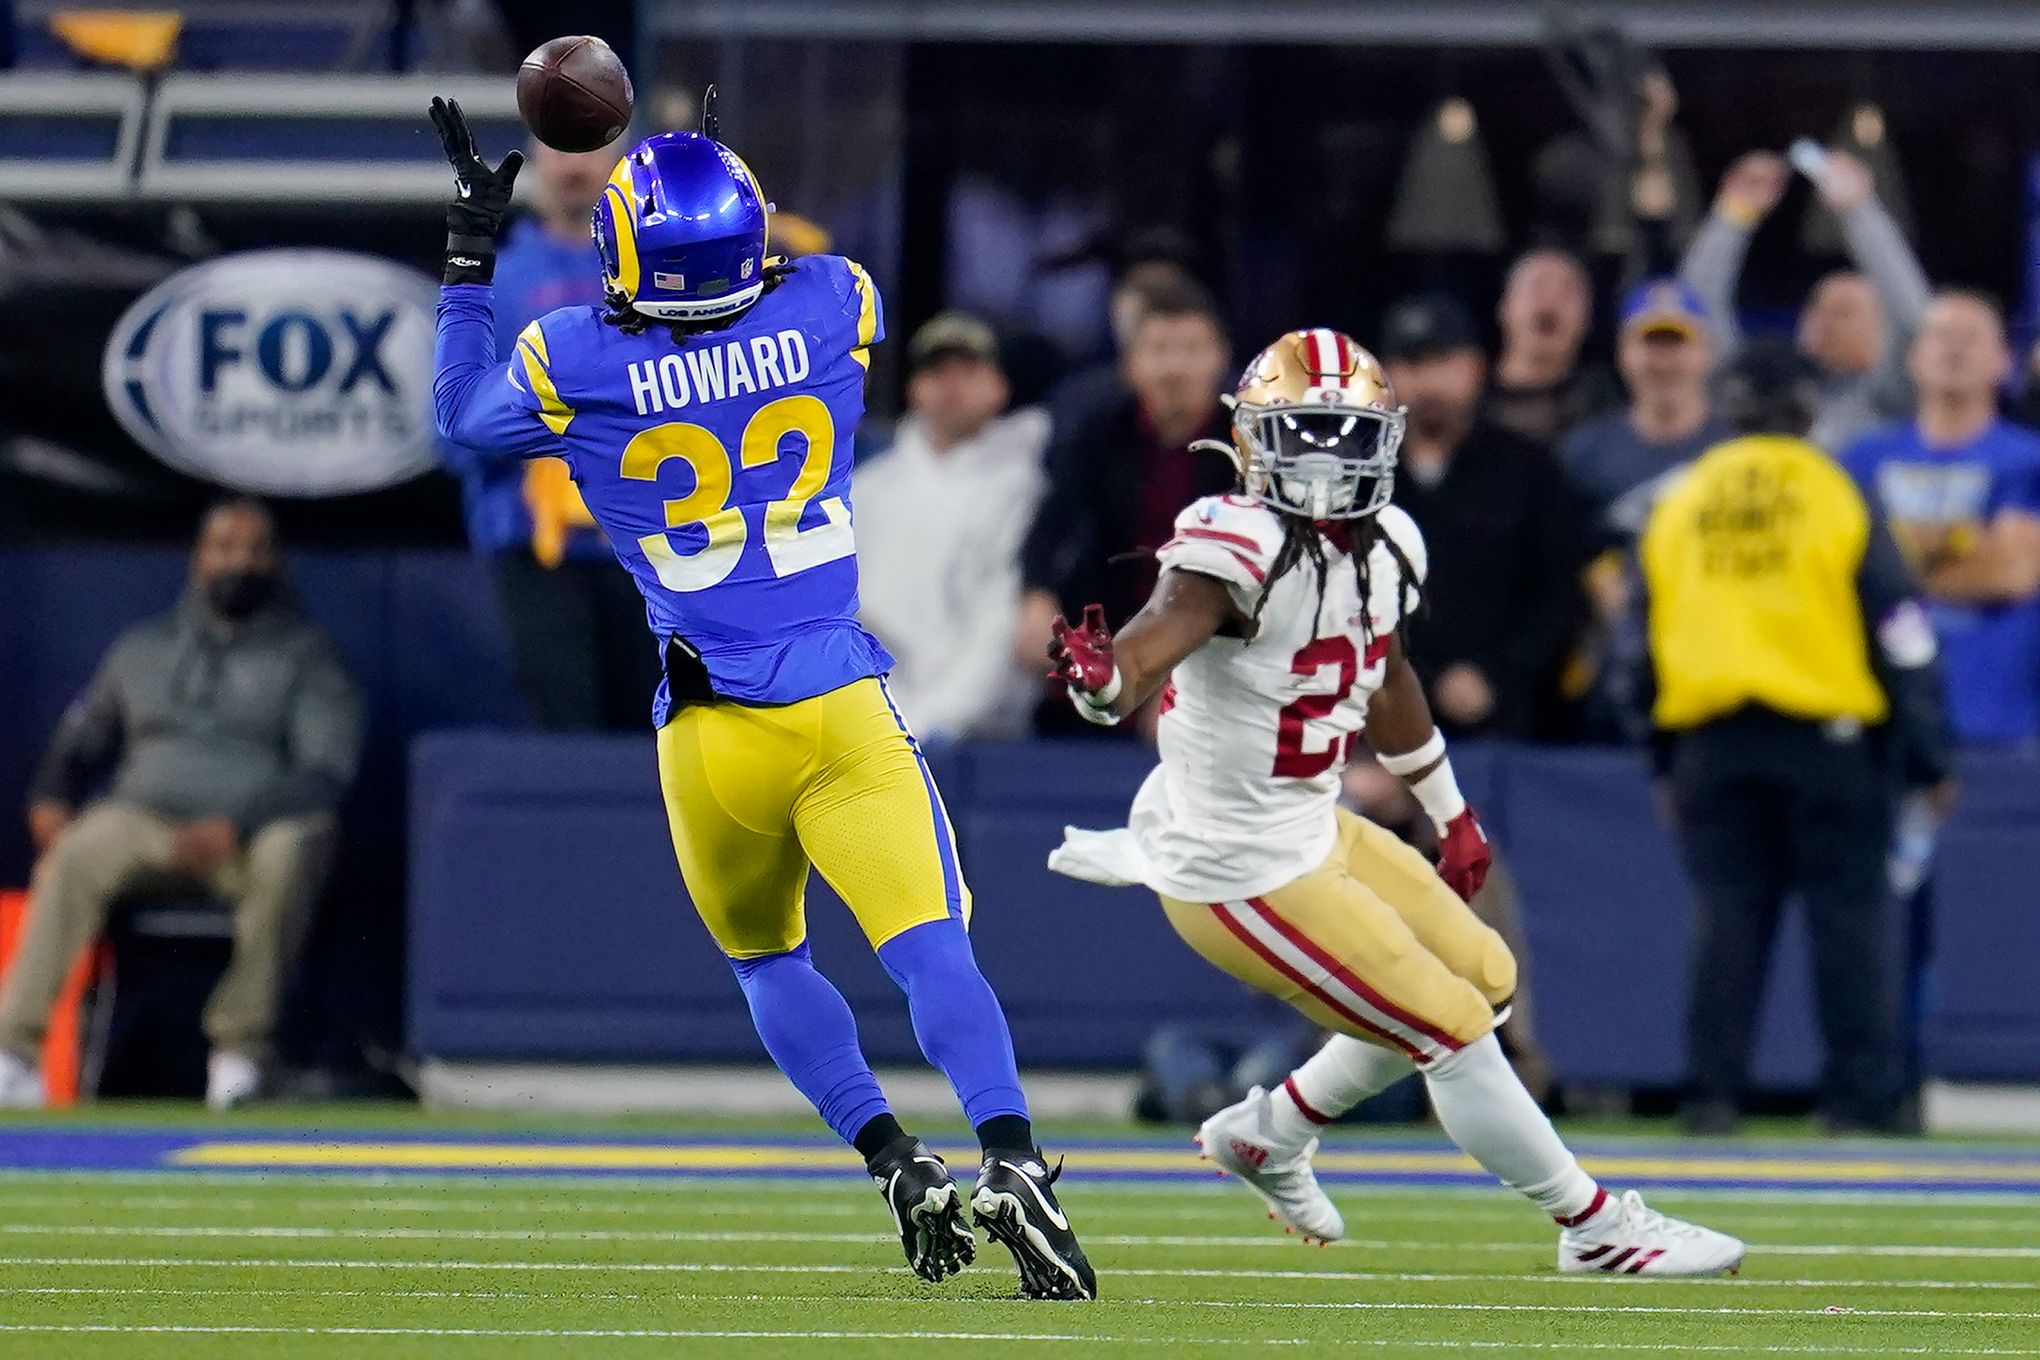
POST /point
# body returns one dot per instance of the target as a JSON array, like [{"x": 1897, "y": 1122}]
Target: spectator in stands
[
  {"x": 1118, "y": 478},
  {"x": 1543, "y": 383},
  {"x": 226, "y": 732},
  {"x": 940, "y": 518},
  {"x": 1961, "y": 487},
  {"x": 1857, "y": 323},
  {"x": 1618, "y": 462},
  {"x": 1152, "y": 266},
  {"x": 577, "y": 623},
  {"x": 1501, "y": 531},
  {"x": 1794, "y": 678}
]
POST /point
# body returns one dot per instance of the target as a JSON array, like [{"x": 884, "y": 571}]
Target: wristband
[
  {"x": 1097, "y": 708},
  {"x": 1439, "y": 793},
  {"x": 1407, "y": 763}
]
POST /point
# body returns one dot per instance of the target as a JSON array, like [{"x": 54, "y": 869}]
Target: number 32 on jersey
[{"x": 788, "y": 547}]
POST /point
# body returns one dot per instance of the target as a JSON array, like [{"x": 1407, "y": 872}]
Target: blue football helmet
[{"x": 681, "y": 230}]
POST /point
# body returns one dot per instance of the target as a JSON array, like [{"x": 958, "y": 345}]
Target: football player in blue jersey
[{"x": 706, "y": 412}]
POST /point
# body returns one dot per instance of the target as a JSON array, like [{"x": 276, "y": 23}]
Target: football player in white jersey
[{"x": 1273, "y": 637}]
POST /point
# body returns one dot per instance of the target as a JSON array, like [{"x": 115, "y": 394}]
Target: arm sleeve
[
  {"x": 87, "y": 739},
  {"x": 324, "y": 744},
  {"x": 495, "y": 409},
  {"x": 1713, "y": 270},
  {"x": 1905, "y": 657},
  {"x": 1233, "y": 541},
  {"x": 1880, "y": 251}
]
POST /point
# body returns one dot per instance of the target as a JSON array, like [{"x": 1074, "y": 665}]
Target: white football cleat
[
  {"x": 231, "y": 1079},
  {"x": 1629, "y": 1238},
  {"x": 21, "y": 1086},
  {"x": 1241, "y": 1139}
]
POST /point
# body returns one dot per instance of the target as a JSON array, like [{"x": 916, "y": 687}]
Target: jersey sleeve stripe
[
  {"x": 556, "y": 414},
  {"x": 1221, "y": 536},
  {"x": 1246, "y": 563},
  {"x": 867, "y": 313}
]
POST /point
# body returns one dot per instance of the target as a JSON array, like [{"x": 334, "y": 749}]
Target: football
[{"x": 574, "y": 94}]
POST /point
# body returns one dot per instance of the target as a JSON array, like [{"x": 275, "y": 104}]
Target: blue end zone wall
[{"x": 548, "y": 919}]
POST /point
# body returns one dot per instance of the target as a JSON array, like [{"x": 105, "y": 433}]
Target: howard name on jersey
[
  {"x": 1255, "y": 731},
  {"x": 718, "y": 465}
]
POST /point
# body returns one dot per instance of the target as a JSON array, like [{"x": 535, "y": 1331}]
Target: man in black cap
[
  {"x": 1795, "y": 683},
  {"x": 1505, "y": 546}
]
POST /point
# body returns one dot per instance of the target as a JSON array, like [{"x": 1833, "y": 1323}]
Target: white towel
[{"x": 1113, "y": 858}]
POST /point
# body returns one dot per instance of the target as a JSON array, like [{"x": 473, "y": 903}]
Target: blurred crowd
[{"x": 1529, "y": 464}]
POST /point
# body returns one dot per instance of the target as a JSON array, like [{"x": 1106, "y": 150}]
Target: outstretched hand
[
  {"x": 1082, "y": 656},
  {"x": 481, "y": 190}
]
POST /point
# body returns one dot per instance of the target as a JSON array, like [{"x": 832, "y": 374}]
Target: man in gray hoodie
[
  {"x": 223, "y": 735},
  {"x": 1856, "y": 323}
]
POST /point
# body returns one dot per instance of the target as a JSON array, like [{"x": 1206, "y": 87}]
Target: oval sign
[{"x": 281, "y": 372}]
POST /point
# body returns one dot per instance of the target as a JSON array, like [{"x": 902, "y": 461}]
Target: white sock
[
  {"x": 1332, "y": 1081},
  {"x": 1485, "y": 1109}
]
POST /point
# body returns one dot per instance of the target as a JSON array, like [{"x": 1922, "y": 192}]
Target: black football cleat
[
  {"x": 926, "y": 1207},
  {"x": 1015, "y": 1203}
]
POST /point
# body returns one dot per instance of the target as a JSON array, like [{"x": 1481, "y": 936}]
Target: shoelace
[{"x": 1640, "y": 1217}]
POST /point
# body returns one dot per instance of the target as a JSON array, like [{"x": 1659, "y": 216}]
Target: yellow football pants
[
  {"x": 1370, "y": 943},
  {"x": 755, "y": 796}
]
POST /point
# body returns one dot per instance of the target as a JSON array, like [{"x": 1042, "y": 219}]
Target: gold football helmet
[{"x": 1315, "y": 427}]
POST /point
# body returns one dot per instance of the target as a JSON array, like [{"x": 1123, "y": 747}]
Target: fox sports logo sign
[{"x": 281, "y": 372}]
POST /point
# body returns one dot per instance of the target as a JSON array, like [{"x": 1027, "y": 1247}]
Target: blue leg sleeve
[
  {"x": 809, "y": 1031},
  {"x": 957, "y": 1019}
]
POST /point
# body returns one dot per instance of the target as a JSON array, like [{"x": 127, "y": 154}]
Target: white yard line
[
  {"x": 1787, "y": 1311},
  {"x": 1094, "y": 1338},
  {"x": 1152, "y": 1273},
  {"x": 1258, "y": 1241}
]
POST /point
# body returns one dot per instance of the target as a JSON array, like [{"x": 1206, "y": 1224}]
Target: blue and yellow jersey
[{"x": 718, "y": 464}]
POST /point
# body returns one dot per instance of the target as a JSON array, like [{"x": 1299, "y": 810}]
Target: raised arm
[{"x": 476, "y": 401}]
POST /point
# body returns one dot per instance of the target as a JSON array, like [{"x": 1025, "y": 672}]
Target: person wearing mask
[
  {"x": 1961, "y": 487},
  {"x": 1543, "y": 385},
  {"x": 941, "y": 515},
  {"x": 1795, "y": 680},
  {"x": 1505, "y": 549},
  {"x": 1856, "y": 323},
  {"x": 576, "y": 623},
  {"x": 1117, "y": 478},
  {"x": 225, "y": 733}
]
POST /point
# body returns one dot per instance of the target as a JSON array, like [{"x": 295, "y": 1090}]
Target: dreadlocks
[
  {"x": 1304, "y": 542},
  {"x": 630, "y": 321}
]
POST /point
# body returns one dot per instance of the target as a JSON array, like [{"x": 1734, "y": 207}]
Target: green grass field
[{"x": 217, "y": 1264}]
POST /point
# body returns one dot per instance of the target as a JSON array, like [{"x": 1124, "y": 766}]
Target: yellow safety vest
[{"x": 1750, "y": 560}]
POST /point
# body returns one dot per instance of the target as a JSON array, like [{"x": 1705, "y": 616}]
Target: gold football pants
[
  {"x": 755, "y": 796},
  {"x": 1371, "y": 943}
]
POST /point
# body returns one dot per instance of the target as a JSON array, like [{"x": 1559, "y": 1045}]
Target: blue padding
[
  {"x": 74, "y": 137},
  {"x": 1984, "y": 1020},
  {"x": 548, "y": 919},
  {"x": 235, "y": 137}
]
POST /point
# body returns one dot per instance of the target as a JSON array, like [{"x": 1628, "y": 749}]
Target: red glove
[
  {"x": 1083, "y": 655},
  {"x": 1463, "y": 855}
]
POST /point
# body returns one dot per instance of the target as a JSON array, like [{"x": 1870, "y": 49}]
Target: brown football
[{"x": 574, "y": 94}]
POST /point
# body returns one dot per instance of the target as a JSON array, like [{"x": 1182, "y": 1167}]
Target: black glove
[{"x": 482, "y": 198}]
